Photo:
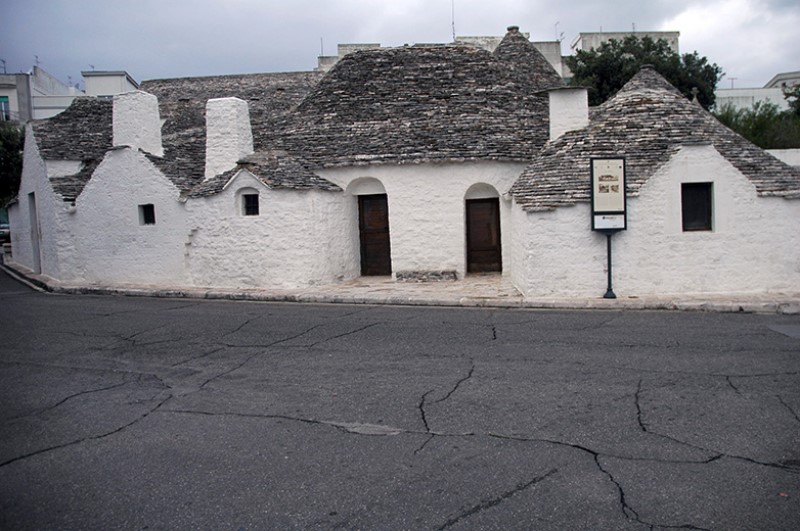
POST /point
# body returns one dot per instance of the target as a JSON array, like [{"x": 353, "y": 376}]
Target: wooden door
[
  {"x": 36, "y": 234},
  {"x": 483, "y": 236},
  {"x": 373, "y": 224}
]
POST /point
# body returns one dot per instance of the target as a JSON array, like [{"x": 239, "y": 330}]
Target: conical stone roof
[
  {"x": 525, "y": 62},
  {"x": 647, "y": 121},
  {"x": 426, "y": 104}
]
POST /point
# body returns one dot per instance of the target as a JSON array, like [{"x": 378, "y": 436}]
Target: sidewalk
[{"x": 484, "y": 291}]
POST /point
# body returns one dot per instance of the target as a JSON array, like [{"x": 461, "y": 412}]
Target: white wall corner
[
  {"x": 137, "y": 122},
  {"x": 229, "y": 137},
  {"x": 569, "y": 110}
]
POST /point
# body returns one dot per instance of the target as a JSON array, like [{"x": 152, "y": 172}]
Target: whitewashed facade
[{"x": 231, "y": 193}]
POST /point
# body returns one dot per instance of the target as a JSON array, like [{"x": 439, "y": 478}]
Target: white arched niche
[
  {"x": 481, "y": 191},
  {"x": 365, "y": 186}
]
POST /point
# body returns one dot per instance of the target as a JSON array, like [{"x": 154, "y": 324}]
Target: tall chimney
[
  {"x": 136, "y": 122},
  {"x": 569, "y": 110},
  {"x": 229, "y": 137}
]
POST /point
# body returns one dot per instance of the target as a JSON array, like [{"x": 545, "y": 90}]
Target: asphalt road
[{"x": 139, "y": 413}]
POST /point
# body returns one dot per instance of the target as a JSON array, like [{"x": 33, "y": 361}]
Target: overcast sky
[{"x": 751, "y": 40}]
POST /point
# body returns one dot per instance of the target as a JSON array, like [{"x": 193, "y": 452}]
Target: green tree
[
  {"x": 792, "y": 95},
  {"x": 606, "y": 69},
  {"x": 763, "y": 125},
  {"x": 12, "y": 139}
]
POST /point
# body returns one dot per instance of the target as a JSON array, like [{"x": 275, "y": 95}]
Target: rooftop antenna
[
  {"x": 37, "y": 60},
  {"x": 633, "y": 25},
  {"x": 69, "y": 80},
  {"x": 559, "y": 36},
  {"x": 92, "y": 67},
  {"x": 732, "y": 80},
  {"x": 453, "y": 17},
  {"x": 4, "y": 65},
  {"x": 321, "y": 48}
]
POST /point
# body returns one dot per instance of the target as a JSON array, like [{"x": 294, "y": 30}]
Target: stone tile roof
[
  {"x": 646, "y": 122},
  {"x": 410, "y": 104},
  {"x": 70, "y": 187},
  {"x": 182, "y": 101},
  {"x": 83, "y": 132},
  {"x": 426, "y": 104},
  {"x": 525, "y": 63},
  {"x": 275, "y": 168}
]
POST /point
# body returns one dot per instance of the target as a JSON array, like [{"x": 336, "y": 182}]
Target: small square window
[
  {"x": 147, "y": 215},
  {"x": 250, "y": 204},
  {"x": 696, "y": 206}
]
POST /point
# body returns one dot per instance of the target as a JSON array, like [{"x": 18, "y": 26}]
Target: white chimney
[
  {"x": 228, "y": 134},
  {"x": 136, "y": 122},
  {"x": 569, "y": 110}
]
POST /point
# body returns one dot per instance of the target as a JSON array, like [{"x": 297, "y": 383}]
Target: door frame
[
  {"x": 363, "y": 244},
  {"x": 498, "y": 235}
]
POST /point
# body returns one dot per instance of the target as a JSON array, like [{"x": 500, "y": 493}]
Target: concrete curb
[{"x": 786, "y": 305}]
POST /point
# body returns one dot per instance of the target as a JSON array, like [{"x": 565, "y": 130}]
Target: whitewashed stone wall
[
  {"x": 299, "y": 238},
  {"x": 427, "y": 220},
  {"x": 228, "y": 134},
  {"x": 112, "y": 246},
  {"x": 569, "y": 110},
  {"x": 754, "y": 245},
  {"x": 789, "y": 156},
  {"x": 137, "y": 123},
  {"x": 55, "y": 236}
]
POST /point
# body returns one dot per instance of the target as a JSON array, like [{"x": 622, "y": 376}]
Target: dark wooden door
[
  {"x": 483, "y": 236},
  {"x": 373, "y": 224}
]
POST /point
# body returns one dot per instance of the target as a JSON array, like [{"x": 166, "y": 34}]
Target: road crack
[
  {"x": 789, "y": 408},
  {"x": 488, "y": 504},
  {"x": 246, "y": 360},
  {"x": 458, "y": 383},
  {"x": 90, "y": 438},
  {"x": 625, "y": 507},
  {"x": 354, "y": 428},
  {"x": 421, "y": 408},
  {"x": 66, "y": 399},
  {"x": 351, "y": 332},
  {"x": 637, "y": 396},
  {"x": 732, "y": 386}
]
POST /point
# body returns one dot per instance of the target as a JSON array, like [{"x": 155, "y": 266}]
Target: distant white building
[
  {"x": 37, "y": 94},
  {"x": 592, "y": 40},
  {"x": 772, "y": 92},
  {"x": 108, "y": 83},
  {"x": 33, "y": 95}
]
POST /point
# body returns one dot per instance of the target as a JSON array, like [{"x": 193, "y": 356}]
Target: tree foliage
[
  {"x": 12, "y": 139},
  {"x": 763, "y": 125},
  {"x": 792, "y": 95},
  {"x": 606, "y": 69}
]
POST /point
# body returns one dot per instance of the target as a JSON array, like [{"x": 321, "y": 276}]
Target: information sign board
[{"x": 608, "y": 194}]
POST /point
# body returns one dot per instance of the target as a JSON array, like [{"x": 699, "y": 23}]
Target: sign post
[{"x": 609, "y": 203}]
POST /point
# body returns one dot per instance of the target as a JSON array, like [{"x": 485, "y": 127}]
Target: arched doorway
[
  {"x": 373, "y": 226},
  {"x": 484, "y": 250}
]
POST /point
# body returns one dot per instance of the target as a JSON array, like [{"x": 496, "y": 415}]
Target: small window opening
[
  {"x": 696, "y": 206},
  {"x": 250, "y": 204},
  {"x": 147, "y": 214}
]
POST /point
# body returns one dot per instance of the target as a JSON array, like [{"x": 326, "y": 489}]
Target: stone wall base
[{"x": 426, "y": 276}]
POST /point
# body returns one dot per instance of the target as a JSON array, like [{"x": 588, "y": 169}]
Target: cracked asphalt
[{"x": 143, "y": 413}]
